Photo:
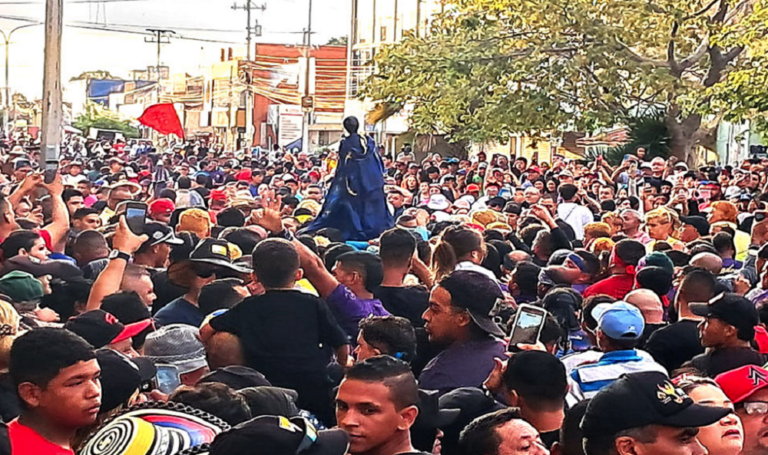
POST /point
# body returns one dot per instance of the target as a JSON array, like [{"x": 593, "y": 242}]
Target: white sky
[{"x": 85, "y": 50}]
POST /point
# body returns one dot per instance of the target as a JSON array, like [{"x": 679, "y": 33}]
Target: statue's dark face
[{"x": 351, "y": 124}]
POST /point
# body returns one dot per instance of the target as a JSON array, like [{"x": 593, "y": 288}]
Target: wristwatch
[
  {"x": 115, "y": 254},
  {"x": 284, "y": 234}
]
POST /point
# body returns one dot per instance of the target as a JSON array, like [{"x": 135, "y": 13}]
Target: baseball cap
[
  {"x": 476, "y": 293},
  {"x": 742, "y": 382},
  {"x": 699, "y": 222},
  {"x": 271, "y": 401},
  {"x": 100, "y": 328},
  {"x": 160, "y": 233},
  {"x": 216, "y": 252},
  {"x": 640, "y": 399},
  {"x": 535, "y": 169},
  {"x": 431, "y": 414},
  {"x": 236, "y": 377},
  {"x": 732, "y": 309},
  {"x": 277, "y": 435},
  {"x": 472, "y": 188},
  {"x": 178, "y": 345},
  {"x": 62, "y": 269},
  {"x": 121, "y": 377},
  {"x": 160, "y": 206},
  {"x": 619, "y": 320},
  {"x": 20, "y": 287},
  {"x": 438, "y": 202}
]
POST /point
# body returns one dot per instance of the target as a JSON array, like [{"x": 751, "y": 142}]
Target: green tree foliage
[
  {"x": 96, "y": 117},
  {"x": 340, "y": 41},
  {"x": 489, "y": 68}
]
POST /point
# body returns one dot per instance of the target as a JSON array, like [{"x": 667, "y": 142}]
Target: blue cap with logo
[{"x": 619, "y": 320}]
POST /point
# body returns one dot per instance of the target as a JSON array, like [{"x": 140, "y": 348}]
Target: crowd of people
[{"x": 362, "y": 303}]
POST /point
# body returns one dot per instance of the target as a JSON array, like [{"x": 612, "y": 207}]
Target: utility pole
[
  {"x": 52, "y": 109},
  {"x": 161, "y": 37},
  {"x": 307, "y": 101},
  {"x": 250, "y": 31},
  {"x": 7, "y": 39}
]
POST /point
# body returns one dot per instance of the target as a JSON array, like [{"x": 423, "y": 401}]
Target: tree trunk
[{"x": 683, "y": 135}]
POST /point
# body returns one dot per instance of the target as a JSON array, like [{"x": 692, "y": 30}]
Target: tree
[
  {"x": 489, "y": 68},
  {"x": 96, "y": 117},
  {"x": 340, "y": 41}
]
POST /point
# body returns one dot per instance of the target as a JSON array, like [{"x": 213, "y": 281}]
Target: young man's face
[
  {"x": 667, "y": 441},
  {"x": 72, "y": 399},
  {"x": 442, "y": 321},
  {"x": 365, "y": 410},
  {"x": 713, "y": 332}
]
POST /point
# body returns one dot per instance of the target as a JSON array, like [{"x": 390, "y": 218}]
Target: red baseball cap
[
  {"x": 473, "y": 188},
  {"x": 535, "y": 169},
  {"x": 160, "y": 206},
  {"x": 741, "y": 383},
  {"x": 218, "y": 195},
  {"x": 244, "y": 176}
]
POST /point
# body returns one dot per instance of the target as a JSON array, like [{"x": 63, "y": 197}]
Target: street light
[{"x": 7, "y": 39}]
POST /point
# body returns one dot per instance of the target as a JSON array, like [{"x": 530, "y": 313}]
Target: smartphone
[
  {"x": 167, "y": 379},
  {"x": 529, "y": 321},
  {"x": 49, "y": 175},
  {"x": 136, "y": 216}
]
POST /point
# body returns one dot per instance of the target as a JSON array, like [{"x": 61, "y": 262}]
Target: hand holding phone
[
  {"x": 136, "y": 216},
  {"x": 529, "y": 321},
  {"x": 167, "y": 379}
]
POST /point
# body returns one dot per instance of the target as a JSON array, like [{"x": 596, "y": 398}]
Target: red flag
[{"x": 163, "y": 119}]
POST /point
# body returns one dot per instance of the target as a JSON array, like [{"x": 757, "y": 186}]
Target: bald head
[
  {"x": 709, "y": 262},
  {"x": 648, "y": 303},
  {"x": 520, "y": 256}
]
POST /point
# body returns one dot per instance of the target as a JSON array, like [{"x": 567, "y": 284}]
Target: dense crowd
[{"x": 281, "y": 303}]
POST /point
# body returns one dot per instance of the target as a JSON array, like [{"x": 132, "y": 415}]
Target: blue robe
[{"x": 356, "y": 204}]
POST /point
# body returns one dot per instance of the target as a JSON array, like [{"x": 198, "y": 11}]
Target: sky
[{"x": 85, "y": 49}]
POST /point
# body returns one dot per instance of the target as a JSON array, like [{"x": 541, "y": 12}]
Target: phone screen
[
  {"x": 527, "y": 327},
  {"x": 135, "y": 217},
  {"x": 167, "y": 378}
]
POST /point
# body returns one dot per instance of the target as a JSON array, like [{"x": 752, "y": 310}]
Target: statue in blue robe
[{"x": 356, "y": 204}]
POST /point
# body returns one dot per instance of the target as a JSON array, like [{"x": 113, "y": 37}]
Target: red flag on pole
[{"x": 163, "y": 119}]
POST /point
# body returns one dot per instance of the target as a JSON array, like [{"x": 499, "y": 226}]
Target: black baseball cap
[
  {"x": 730, "y": 308},
  {"x": 476, "y": 293},
  {"x": 160, "y": 233},
  {"x": 121, "y": 377},
  {"x": 699, "y": 222},
  {"x": 100, "y": 328},
  {"x": 640, "y": 399},
  {"x": 277, "y": 435},
  {"x": 216, "y": 252}
]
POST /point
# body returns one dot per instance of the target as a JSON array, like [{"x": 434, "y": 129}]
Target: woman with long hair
[{"x": 459, "y": 248}]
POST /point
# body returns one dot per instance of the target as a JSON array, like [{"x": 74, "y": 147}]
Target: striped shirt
[{"x": 586, "y": 380}]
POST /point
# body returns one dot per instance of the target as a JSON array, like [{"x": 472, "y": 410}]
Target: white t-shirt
[{"x": 577, "y": 216}]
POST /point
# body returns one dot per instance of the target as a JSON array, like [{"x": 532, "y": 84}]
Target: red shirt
[
  {"x": 26, "y": 441},
  {"x": 617, "y": 286}
]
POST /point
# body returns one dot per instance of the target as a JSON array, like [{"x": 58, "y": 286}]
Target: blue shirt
[
  {"x": 462, "y": 365},
  {"x": 180, "y": 311}
]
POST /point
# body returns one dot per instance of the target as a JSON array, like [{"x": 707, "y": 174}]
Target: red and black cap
[{"x": 100, "y": 328}]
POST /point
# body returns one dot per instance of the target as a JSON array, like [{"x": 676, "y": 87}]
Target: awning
[{"x": 71, "y": 129}]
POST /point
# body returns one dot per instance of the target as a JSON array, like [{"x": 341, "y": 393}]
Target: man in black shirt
[
  {"x": 397, "y": 247},
  {"x": 285, "y": 334},
  {"x": 678, "y": 343}
]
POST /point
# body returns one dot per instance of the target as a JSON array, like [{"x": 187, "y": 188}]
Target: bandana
[{"x": 616, "y": 261}]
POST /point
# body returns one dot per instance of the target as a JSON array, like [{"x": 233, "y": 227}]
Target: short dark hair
[
  {"x": 630, "y": 251},
  {"x": 526, "y": 276},
  {"x": 366, "y": 264},
  {"x": 69, "y": 193},
  {"x": 588, "y": 305},
  {"x": 571, "y": 436},
  {"x": 39, "y": 355},
  {"x": 567, "y": 191},
  {"x": 183, "y": 183},
  {"x": 723, "y": 242},
  {"x": 82, "y": 212},
  {"x": 16, "y": 241},
  {"x": 392, "y": 335},
  {"x": 219, "y": 295},
  {"x": 275, "y": 262},
  {"x": 332, "y": 253},
  {"x": 396, "y": 247},
  {"x": 481, "y": 437},
  {"x": 537, "y": 377},
  {"x": 394, "y": 374},
  {"x": 216, "y": 399},
  {"x": 697, "y": 285},
  {"x": 230, "y": 217}
]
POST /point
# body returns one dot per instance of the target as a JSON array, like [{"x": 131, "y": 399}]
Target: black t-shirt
[
  {"x": 718, "y": 361},
  {"x": 409, "y": 302},
  {"x": 165, "y": 291},
  {"x": 648, "y": 331},
  {"x": 675, "y": 344},
  {"x": 286, "y": 335}
]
